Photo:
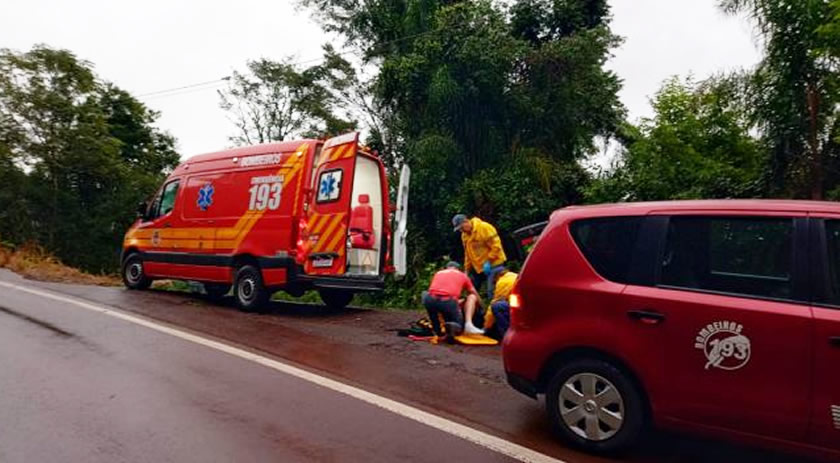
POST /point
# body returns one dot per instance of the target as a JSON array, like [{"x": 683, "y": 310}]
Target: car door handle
[
  {"x": 834, "y": 341},
  {"x": 167, "y": 225},
  {"x": 646, "y": 316}
]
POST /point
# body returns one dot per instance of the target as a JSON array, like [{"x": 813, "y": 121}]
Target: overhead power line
[
  {"x": 215, "y": 82},
  {"x": 185, "y": 87}
]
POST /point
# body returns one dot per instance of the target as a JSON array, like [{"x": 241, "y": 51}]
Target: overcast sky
[{"x": 145, "y": 47}]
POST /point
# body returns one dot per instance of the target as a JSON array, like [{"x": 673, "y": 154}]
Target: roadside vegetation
[
  {"x": 32, "y": 261},
  {"x": 496, "y": 106}
]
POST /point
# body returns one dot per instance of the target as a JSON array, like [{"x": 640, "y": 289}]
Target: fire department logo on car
[{"x": 724, "y": 345}]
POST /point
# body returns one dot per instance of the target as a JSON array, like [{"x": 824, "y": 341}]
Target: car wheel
[
  {"x": 251, "y": 295},
  {"x": 133, "y": 274},
  {"x": 595, "y": 406},
  {"x": 216, "y": 291},
  {"x": 335, "y": 299}
]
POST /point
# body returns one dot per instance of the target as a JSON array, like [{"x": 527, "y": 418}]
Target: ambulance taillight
[{"x": 302, "y": 244}]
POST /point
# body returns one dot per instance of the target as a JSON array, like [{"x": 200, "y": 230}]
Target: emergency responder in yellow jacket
[{"x": 483, "y": 252}]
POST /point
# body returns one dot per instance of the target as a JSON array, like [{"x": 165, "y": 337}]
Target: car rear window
[
  {"x": 832, "y": 232},
  {"x": 743, "y": 256},
  {"x": 608, "y": 243}
]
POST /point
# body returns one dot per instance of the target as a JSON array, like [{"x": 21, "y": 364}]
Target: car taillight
[{"x": 515, "y": 301}]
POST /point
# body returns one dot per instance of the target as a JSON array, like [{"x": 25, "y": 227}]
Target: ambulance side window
[{"x": 165, "y": 202}]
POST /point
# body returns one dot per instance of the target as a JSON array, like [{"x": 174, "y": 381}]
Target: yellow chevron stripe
[
  {"x": 336, "y": 241},
  {"x": 321, "y": 221},
  {"x": 328, "y": 233},
  {"x": 325, "y": 154},
  {"x": 297, "y": 196},
  {"x": 325, "y": 235},
  {"x": 338, "y": 153}
]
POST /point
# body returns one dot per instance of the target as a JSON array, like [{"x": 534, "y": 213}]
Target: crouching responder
[
  {"x": 483, "y": 252},
  {"x": 500, "y": 306},
  {"x": 443, "y": 298}
]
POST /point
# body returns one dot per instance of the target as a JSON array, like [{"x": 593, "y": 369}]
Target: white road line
[{"x": 475, "y": 436}]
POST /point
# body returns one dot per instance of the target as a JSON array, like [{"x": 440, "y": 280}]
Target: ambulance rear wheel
[
  {"x": 335, "y": 299},
  {"x": 133, "y": 275},
  {"x": 249, "y": 290}
]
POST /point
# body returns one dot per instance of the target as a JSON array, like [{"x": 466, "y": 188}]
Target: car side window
[
  {"x": 608, "y": 243},
  {"x": 733, "y": 255},
  {"x": 165, "y": 202},
  {"x": 832, "y": 236}
]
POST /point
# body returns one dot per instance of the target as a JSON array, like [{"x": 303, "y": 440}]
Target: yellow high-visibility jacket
[
  {"x": 504, "y": 285},
  {"x": 480, "y": 245}
]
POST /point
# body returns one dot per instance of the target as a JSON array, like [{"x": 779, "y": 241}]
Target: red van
[
  {"x": 714, "y": 317},
  {"x": 290, "y": 216}
]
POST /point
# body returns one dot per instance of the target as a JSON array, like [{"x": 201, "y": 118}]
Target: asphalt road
[
  {"x": 80, "y": 386},
  {"x": 83, "y": 384}
]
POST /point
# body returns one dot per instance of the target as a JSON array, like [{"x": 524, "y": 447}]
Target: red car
[{"x": 713, "y": 317}]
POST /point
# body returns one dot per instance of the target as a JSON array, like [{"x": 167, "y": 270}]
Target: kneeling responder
[{"x": 443, "y": 297}]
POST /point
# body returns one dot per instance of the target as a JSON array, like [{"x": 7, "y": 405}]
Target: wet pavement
[{"x": 79, "y": 386}]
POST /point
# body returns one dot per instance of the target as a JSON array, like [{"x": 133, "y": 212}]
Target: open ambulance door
[
  {"x": 329, "y": 209},
  {"x": 401, "y": 223}
]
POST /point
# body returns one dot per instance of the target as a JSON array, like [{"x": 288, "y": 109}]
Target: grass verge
[{"x": 34, "y": 262}]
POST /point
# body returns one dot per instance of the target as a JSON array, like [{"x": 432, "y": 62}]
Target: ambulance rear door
[
  {"x": 401, "y": 223},
  {"x": 329, "y": 209}
]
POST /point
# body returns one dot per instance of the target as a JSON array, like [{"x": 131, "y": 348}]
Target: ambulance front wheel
[
  {"x": 335, "y": 299},
  {"x": 133, "y": 275},
  {"x": 249, "y": 290}
]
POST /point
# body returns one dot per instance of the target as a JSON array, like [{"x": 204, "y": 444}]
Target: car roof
[{"x": 766, "y": 205}]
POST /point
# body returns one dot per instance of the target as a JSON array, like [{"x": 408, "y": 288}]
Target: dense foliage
[
  {"x": 795, "y": 94},
  {"x": 772, "y": 131},
  {"x": 76, "y": 156},
  {"x": 697, "y": 146},
  {"x": 492, "y": 107}
]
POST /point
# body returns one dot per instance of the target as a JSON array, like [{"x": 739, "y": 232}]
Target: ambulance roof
[{"x": 265, "y": 148}]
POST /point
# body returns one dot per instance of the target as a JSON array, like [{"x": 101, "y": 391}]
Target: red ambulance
[{"x": 290, "y": 216}]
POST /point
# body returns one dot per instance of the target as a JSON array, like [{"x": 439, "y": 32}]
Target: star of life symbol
[
  {"x": 330, "y": 185},
  {"x": 205, "y": 196},
  {"x": 724, "y": 345}
]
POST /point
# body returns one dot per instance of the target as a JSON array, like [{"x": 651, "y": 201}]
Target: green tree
[
  {"x": 795, "y": 92},
  {"x": 274, "y": 100},
  {"x": 696, "y": 146},
  {"x": 830, "y": 32},
  {"x": 473, "y": 91},
  {"x": 78, "y": 153}
]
